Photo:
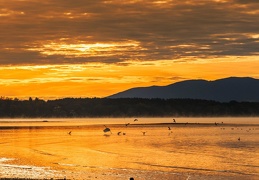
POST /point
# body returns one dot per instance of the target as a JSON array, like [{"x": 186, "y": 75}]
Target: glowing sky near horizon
[{"x": 95, "y": 48}]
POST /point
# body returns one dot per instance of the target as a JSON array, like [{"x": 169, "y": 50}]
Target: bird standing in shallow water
[{"x": 107, "y": 129}]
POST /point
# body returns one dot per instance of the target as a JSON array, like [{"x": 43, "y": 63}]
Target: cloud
[
  {"x": 114, "y": 31},
  {"x": 246, "y": 2}
]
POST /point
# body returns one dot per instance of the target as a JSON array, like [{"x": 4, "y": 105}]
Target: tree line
[{"x": 123, "y": 107}]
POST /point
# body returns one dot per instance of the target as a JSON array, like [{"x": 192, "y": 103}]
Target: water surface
[{"x": 192, "y": 148}]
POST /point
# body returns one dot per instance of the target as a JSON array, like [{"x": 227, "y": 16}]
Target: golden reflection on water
[{"x": 187, "y": 150}]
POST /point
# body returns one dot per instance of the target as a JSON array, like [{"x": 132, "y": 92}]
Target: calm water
[{"x": 199, "y": 149}]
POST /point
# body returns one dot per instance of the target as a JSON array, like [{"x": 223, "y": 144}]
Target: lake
[{"x": 147, "y": 148}]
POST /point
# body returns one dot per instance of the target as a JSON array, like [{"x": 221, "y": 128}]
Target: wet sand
[{"x": 45, "y": 150}]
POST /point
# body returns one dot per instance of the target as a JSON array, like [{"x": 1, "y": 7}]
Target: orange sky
[{"x": 79, "y": 48}]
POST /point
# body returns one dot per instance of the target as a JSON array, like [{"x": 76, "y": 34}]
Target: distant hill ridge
[{"x": 222, "y": 90}]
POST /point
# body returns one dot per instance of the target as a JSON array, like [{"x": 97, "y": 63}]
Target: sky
[{"x": 54, "y": 49}]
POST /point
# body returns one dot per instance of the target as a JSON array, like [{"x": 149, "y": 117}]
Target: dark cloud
[{"x": 168, "y": 30}]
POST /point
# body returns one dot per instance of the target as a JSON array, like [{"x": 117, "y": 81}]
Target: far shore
[{"x": 56, "y": 124}]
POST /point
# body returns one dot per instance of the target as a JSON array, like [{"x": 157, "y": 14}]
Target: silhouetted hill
[{"x": 223, "y": 90}]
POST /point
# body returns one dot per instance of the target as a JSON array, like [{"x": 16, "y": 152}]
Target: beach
[{"x": 190, "y": 148}]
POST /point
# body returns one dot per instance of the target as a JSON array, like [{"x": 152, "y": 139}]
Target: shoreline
[
  {"x": 9, "y": 170},
  {"x": 28, "y": 172}
]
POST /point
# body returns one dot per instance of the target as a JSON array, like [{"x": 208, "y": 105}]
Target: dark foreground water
[{"x": 157, "y": 148}]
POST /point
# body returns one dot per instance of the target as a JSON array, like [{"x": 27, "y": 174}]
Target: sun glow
[
  {"x": 86, "y": 49},
  {"x": 100, "y": 80},
  {"x": 7, "y": 12}
]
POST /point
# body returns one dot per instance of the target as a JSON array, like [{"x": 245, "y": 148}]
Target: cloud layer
[{"x": 115, "y": 31}]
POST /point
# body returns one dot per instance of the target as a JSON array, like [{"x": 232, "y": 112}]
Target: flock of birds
[
  {"x": 119, "y": 133},
  {"x": 107, "y": 129}
]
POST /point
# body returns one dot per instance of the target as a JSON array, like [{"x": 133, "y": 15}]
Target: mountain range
[{"x": 222, "y": 90}]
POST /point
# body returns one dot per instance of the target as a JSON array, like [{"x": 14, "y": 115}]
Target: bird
[
  {"x": 144, "y": 133},
  {"x": 69, "y": 132},
  {"x": 127, "y": 124},
  {"x": 107, "y": 129},
  {"x": 238, "y": 139},
  {"x": 119, "y": 133},
  {"x": 216, "y": 124},
  {"x": 174, "y": 120},
  {"x": 135, "y": 120},
  {"x": 169, "y": 128}
]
